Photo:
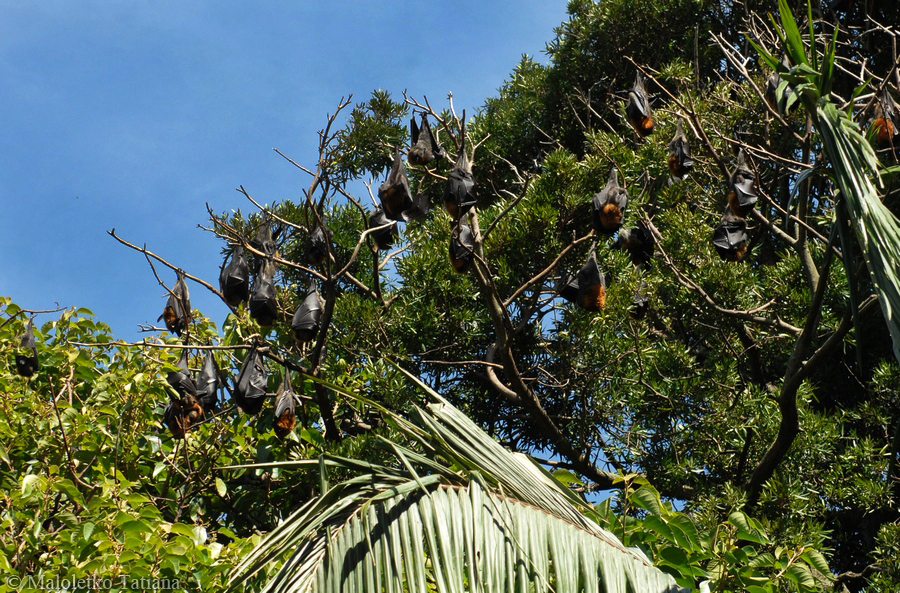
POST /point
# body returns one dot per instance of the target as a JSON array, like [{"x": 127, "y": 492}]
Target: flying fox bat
[
  {"x": 730, "y": 237},
  {"x": 250, "y": 387},
  {"x": 425, "y": 148},
  {"x": 263, "y": 306},
  {"x": 317, "y": 246},
  {"x": 638, "y": 243},
  {"x": 208, "y": 383},
  {"x": 182, "y": 411},
  {"x": 591, "y": 286},
  {"x": 285, "y": 418},
  {"x": 177, "y": 313},
  {"x": 384, "y": 239},
  {"x": 234, "y": 279},
  {"x": 609, "y": 205},
  {"x": 264, "y": 240},
  {"x": 27, "y": 365},
  {"x": 638, "y": 110},
  {"x": 462, "y": 247},
  {"x": 742, "y": 194},
  {"x": 680, "y": 161},
  {"x": 181, "y": 380},
  {"x": 394, "y": 192},
  {"x": 772, "y": 93},
  {"x": 885, "y": 123},
  {"x": 308, "y": 317},
  {"x": 459, "y": 190}
]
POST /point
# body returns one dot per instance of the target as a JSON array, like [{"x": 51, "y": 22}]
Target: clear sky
[{"x": 134, "y": 115}]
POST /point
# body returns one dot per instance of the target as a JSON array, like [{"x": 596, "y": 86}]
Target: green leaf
[{"x": 221, "y": 488}]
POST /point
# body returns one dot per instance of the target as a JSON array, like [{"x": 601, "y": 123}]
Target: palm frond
[{"x": 457, "y": 512}]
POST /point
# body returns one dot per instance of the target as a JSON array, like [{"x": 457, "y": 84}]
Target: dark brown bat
[
  {"x": 609, "y": 205},
  {"x": 638, "y": 109},
  {"x": 384, "y": 238},
  {"x": 27, "y": 364},
  {"x": 459, "y": 190},
  {"x": 182, "y": 411},
  {"x": 885, "y": 123},
  {"x": 317, "y": 246},
  {"x": 587, "y": 288},
  {"x": 730, "y": 237},
  {"x": 742, "y": 193},
  {"x": 638, "y": 243},
  {"x": 394, "y": 192},
  {"x": 264, "y": 241},
  {"x": 234, "y": 279},
  {"x": 425, "y": 148},
  {"x": 263, "y": 304},
  {"x": 591, "y": 286},
  {"x": 177, "y": 313},
  {"x": 285, "y": 418},
  {"x": 462, "y": 247},
  {"x": 308, "y": 317},
  {"x": 208, "y": 383},
  {"x": 680, "y": 161},
  {"x": 250, "y": 387}
]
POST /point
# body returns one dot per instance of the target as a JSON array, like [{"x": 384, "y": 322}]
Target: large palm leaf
[{"x": 456, "y": 512}]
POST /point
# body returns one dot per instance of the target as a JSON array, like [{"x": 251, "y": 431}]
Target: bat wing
[
  {"x": 384, "y": 239},
  {"x": 394, "y": 192},
  {"x": 263, "y": 305},
  {"x": 460, "y": 189},
  {"x": 208, "y": 383},
  {"x": 181, "y": 380},
  {"x": 567, "y": 287},
  {"x": 591, "y": 286},
  {"x": 317, "y": 246},
  {"x": 413, "y": 130},
  {"x": 742, "y": 183},
  {"x": 462, "y": 246},
  {"x": 234, "y": 280},
  {"x": 418, "y": 209},
  {"x": 730, "y": 237},
  {"x": 308, "y": 317},
  {"x": 250, "y": 388}
]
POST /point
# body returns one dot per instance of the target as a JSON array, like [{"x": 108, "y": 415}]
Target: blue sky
[{"x": 133, "y": 116}]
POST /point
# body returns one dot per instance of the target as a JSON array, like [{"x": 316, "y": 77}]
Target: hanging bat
[
  {"x": 638, "y": 243},
  {"x": 730, "y": 237},
  {"x": 394, "y": 192},
  {"x": 234, "y": 279},
  {"x": 680, "y": 161},
  {"x": 264, "y": 240},
  {"x": 609, "y": 205},
  {"x": 742, "y": 195},
  {"x": 285, "y": 418},
  {"x": 591, "y": 286},
  {"x": 459, "y": 190},
  {"x": 317, "y": 246},
  {"x": 425, "y": 148},
  {"x": 885, "y": 123},
  {"x": 462, "y": 247},
  {"x": 181, "y": 380},
  {"x": 263, "y": 306},
  {"x": 27, "y": 365},
  {"x": 177, "y": 313},
  {"x": 638, "y": 108},
  {"x": 640, "y": 302},
  {"x": 250, "y": 387},
  {"x": 308, "y": 317},
  {"x": 182, "y": 411},
  {"x": 384, "y": 239},
  {"x": 208, "y": 383}
]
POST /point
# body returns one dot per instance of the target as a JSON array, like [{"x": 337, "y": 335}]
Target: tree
[{"x": 762, "y": 388}]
